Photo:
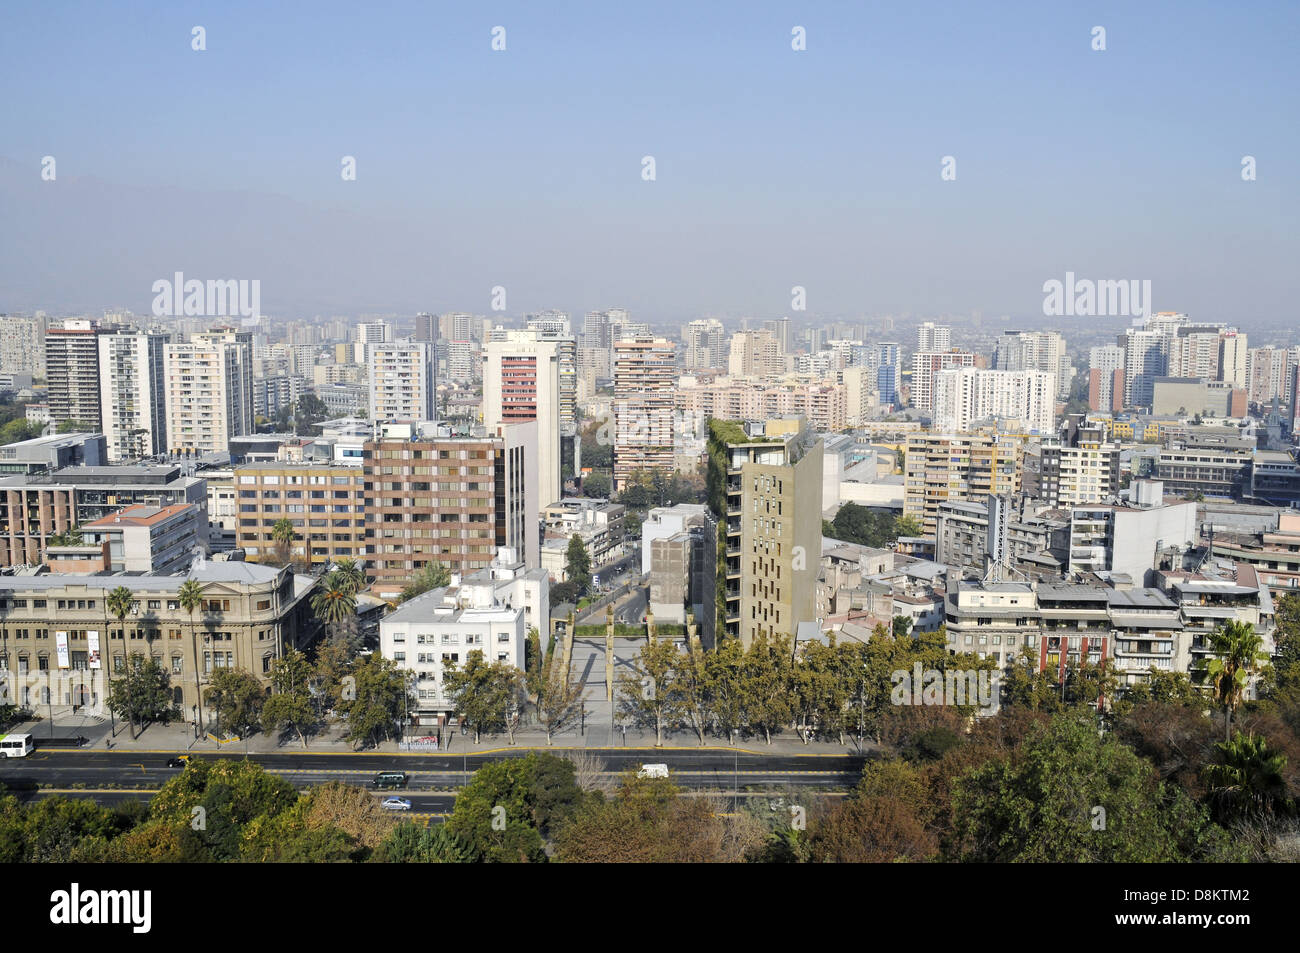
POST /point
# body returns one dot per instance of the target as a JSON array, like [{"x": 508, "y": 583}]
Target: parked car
[{"x": 396, "y": 804}]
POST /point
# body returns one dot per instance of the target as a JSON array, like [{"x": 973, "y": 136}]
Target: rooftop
[
  {"x": 140, "y": 515},
  {"x": 210, "y": 571}
]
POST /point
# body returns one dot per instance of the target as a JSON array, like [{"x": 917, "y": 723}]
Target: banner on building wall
[
  {"x": 61, "y": 646},
  {"x": 92, "y": 648}
]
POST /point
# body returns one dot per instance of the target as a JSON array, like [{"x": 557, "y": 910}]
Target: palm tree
[
  {"x": 334, "y": 602},
  {"x": 190, "y": 596},
  {"x": 1237, "y": 651},
  {"x": 283, "y": 534},
  {"x": 1248, "y": 781},
  {"x": 351, "y": 575},
  {"x": 119, "y": 603}
]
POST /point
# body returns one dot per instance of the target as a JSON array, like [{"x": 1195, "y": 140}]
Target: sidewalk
[{"x": 179, "y": 738}]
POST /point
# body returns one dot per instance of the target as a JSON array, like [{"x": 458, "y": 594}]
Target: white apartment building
[
  {"x": 208, "y": 391},
  {"x": 1034, "y": 351},
  {"x": 402, "y": 381},
  {"x": 704, "y": 343},
  {"x": 133, "y": 408},
  {"x": 964, "y": 396},
  {"x": 926, "y": 365},
  {"x": 446, "y": 625},
  {"x": 933, "y": 337}
]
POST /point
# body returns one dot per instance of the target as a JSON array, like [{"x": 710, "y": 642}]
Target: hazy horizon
[{"x": 522, "y": 168}]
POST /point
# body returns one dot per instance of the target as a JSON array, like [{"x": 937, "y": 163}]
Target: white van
[
  {"x": 15, "y": 746},
  {"x": 653, "y": 771}
]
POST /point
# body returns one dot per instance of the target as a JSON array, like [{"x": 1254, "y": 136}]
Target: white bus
[{"x": 15, "y": 746}]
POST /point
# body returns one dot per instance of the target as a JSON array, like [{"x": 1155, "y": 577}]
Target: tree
[
  {"x": 1286, "y": 634},
  {"x": 350, "y": 809},
  {"x": 691, "y": 687},
  {"x": 556, "y": 697},
  {"x": 1247, "y": 781},
  {"x": 237, "y": 797},
  {"x": 648, "y": 823},
  {"x": 647, "y": 693},
  {"x": 432, "y": 575},
  {"x": 237, "y": 698},
  {"x": 1238, "y": 650},
  {"x": 723, "y": 670},
  {"x": 309, "y": 410},
  {"x": 596, "y": 484},
  {"x": 768, "y": 674},
  {"x": 335, "y": 662},
  {"x": 119, "y": 602},
  {"x": 409, "y": 843},
  {"x": 283, "y": 534},
  {"x": 17, "y": 430},
  {"x": 143, "y": 695},
  {"x": 290, "y": 707},
  {"x": 510, "y": 808},
  {"x": 381, "y": 700},
  {"x": 887, "y": 819},
  {"x": 483, "y": 694},
  {"x": 351, "y": 576},
  {"x": 69, "y": 537},
  {"x": 1073, "y": 796},
  {"x": 907, "y": 526},
  {"x": 577, "y": 563},
  {"x": 335, "y": 604},
  {"x": 190, "y": 597}
]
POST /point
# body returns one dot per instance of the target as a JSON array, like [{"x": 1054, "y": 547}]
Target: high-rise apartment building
[
  {"x": 1106, "y": 378},
  {"x": 1021, "y": 399},
  {"x": 933, "y": 337},
  {"x": 957, "y": 467},
  {"x": 1266, "y": 374},
  {"x": 403, "y": 381},
  {"x": 132, "y": 394},
  {"x": 771, "y": 548},
  {"x": 22, "y": 345},
  {"x": 645, "y": 372},
  {"x": 888, "y": 362},
  {"x": 1034, "y": 351},
  {"x": 521, "y": 382},
  {"x": 780, "y": 331},
  {"x": 926, "y": 365},
  {"x": 549, "y": 323},
  {"x": 367, "y": 334},
  {"x": 72, "y": 374},
  {"x": 1146, "y": 355},
  {"x": 1079, "y": 465},
  {"x": 209, "y": 390},
  {"x": 704, "y": 344},
  {"x": 755, "y": 354},
  {"x": 430, "y": 497},
  {"x": 426, "y": 327}
]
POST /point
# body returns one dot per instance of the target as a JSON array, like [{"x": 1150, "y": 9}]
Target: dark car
[
  {"x": 389, "y": 779},
  {"x": 178, "y": 762}
]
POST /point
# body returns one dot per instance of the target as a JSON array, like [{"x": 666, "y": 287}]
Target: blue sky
[{"x": 774, "y": 167}]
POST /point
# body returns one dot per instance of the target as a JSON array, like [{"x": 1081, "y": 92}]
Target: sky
[{"x": 523, "y": 168}]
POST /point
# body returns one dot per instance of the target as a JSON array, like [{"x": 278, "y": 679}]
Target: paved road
[{"x": 707, "y": 769}]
